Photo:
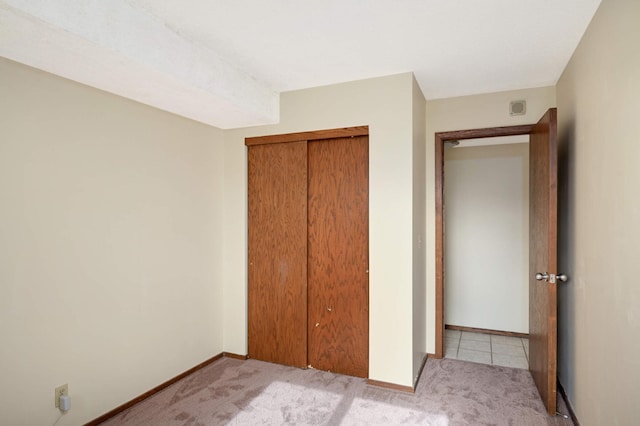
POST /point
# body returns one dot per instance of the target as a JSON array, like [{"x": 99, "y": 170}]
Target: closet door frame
[{"x": 309, "y": 136}]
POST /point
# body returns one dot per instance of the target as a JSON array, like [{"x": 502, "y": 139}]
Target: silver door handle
[{"x": 552, "y": 278}]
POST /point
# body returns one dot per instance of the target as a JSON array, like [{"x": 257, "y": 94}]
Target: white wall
[
  {"x": 385, "y": 104},
  {"x": 110, "y": 252},
  {"x": 599, "y": 208},
  {"x": 469, "y": 112},
  {"x": 419, "y": 217},
  {"x": 487, "y": 237}
]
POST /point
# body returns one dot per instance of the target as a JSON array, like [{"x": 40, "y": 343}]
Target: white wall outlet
[{"x": 61, "y": 390}]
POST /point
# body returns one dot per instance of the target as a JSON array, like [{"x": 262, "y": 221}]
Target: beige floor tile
[
  {"x": 506, "y": 340},
  {"x": 455, "y": 340},
  {"x": 511, "y": 350},
  {"x": 467, "y": 335},
  {"x": 452, "y": 333},
  {"x": 510, "y": 361},
  {"x": 474, "y": 356},
  {"x": 451, "y": 353},
  {"x": 483, "y": 348},
  {"x": 475, "y": 345}
]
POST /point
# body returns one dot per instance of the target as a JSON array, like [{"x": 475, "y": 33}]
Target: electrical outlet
[{"x": 61, "y": 390}]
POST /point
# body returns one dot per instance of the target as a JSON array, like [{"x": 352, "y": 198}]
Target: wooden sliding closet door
[
  {"x": 338, "y": 255},
  {"x": 277, "y": 292}
]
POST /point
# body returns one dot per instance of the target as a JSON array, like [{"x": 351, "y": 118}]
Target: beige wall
[
  {"x": 469, "y": 112},
  {"x": 385, "y": 104},
  {"x": 599, "y": 207},
  {"x": 110, "y": 252},
  {"x": 487, "y": 237},
  {"x": 419, "y": 216},
  {"x": 119, "y": 223}
]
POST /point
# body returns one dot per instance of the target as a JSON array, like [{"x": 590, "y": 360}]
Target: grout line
[
  {"x": 526, "y": 356},
  {"x": 458, "y": 348},
  {"x": 491, "y": 348}
]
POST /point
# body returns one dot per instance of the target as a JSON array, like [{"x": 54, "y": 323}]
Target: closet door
[
  {"x": 338, "y": 244},
  {"x": 277, "y": 220}
]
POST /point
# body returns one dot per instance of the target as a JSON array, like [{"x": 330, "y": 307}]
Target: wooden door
[
  {"x": 338, "y": 230},
  {"x": 543, "y": 234},
  {"x": 277, "y": 220}
]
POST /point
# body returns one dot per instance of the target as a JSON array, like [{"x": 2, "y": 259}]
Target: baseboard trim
[
  {"x": 235, "y": 356},
  {"x": 393, "y": 386},
  {"x": 109, "y": 414},
  {"x": 572, "y": 412},
  {"x": 486, "y": 331}
]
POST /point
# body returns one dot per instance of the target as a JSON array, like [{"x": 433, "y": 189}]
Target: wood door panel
[
  {"x": 277, "y": 221},
  {"x": 543, "y": 257},
  {"x": 338, "y": 230}
]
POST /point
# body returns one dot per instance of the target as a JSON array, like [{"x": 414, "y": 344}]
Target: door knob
[
  {"x": 542, "y": 277},
  {"x": 552, "y": 278}
]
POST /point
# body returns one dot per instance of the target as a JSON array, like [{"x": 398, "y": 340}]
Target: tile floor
[{"x": 487, "y": 348}]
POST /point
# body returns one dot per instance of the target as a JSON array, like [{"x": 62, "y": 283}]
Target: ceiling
[{"x": 225, "y": 62}]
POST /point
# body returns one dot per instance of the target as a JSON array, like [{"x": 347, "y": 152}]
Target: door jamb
[{"x": 440, "y": 139}]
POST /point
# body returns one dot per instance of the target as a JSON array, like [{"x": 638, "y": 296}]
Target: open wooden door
[{"x": 543, "y": 235}]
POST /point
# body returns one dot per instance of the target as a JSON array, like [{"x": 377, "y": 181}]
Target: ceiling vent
[{"x": 518, "y": 107}]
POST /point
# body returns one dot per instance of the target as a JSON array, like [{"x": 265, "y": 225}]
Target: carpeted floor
[{"x": 450, "y": 392}]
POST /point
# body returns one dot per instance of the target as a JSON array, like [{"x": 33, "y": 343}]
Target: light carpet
[{"x": 450, "y": 392}]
